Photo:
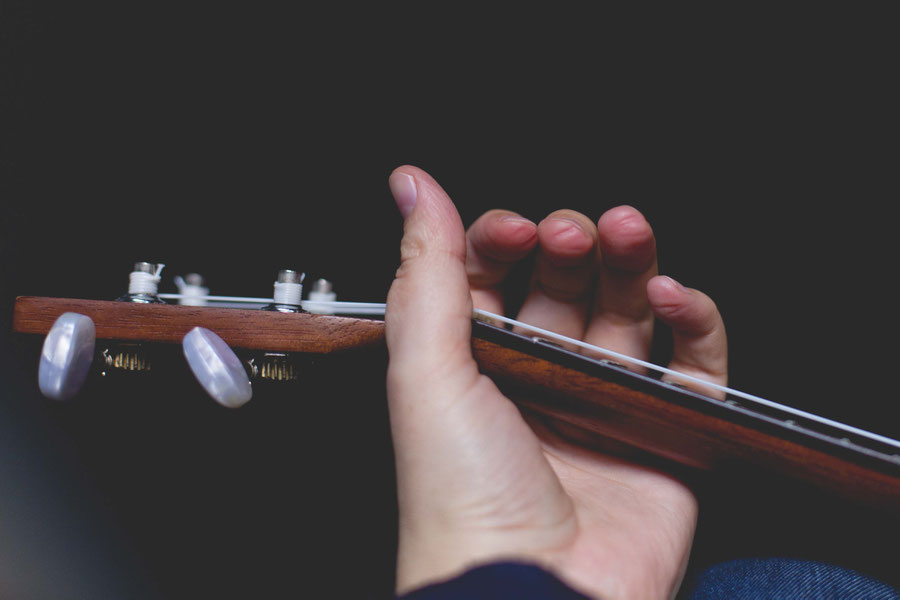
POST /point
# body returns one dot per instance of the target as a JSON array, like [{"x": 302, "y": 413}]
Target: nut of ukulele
[
  {"x": 66, "y": 356},
  {"x": 217, "y": 368}
]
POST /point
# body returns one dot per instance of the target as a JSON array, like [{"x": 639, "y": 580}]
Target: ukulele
[{"x": 656, "y": 413}]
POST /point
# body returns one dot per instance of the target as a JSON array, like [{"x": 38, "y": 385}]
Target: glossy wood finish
[
  {"x": 682, "y": 435},
  {"x": 240, "y": 328}
]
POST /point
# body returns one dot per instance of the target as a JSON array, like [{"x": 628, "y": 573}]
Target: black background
[{"x": 236, "y": 140}]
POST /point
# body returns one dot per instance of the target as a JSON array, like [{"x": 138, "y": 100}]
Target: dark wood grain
[
  {"x": 672, "y": 432},
  {"x": 240, "y": 328}
]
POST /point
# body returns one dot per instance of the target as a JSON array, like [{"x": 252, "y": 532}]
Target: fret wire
[
  {"x": 374, "y": 308},
  {"x": 664, "y": 370}
]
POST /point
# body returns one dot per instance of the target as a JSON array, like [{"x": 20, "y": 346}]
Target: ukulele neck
[{"x": 682, "y": 422}]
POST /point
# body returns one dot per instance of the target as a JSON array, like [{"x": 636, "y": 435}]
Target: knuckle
[{"x": 411, "y": 248}]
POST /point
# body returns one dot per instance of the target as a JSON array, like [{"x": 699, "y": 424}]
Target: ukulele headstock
[{"x": 115, "y": 336}]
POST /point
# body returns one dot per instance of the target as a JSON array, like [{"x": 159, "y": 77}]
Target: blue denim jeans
[
  {"x": 784, "y": 578},
  {"x": 744, "y": 579}
]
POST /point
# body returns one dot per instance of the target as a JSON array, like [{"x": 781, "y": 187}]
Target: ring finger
[{"x": 622, "y": 318}]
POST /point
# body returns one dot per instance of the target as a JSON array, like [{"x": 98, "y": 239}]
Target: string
[
  {"x": 663, "y": 370},
  {"x": 377, "y": 309},
  {"x": 361, "y": 308}
]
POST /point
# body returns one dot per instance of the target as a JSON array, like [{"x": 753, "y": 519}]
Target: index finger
[{"x": 495, "y": 243}]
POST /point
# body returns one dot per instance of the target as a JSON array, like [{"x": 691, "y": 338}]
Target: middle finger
[{"x": 563, "y": 277}]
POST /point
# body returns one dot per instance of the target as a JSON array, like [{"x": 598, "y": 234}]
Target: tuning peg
[
  {"x": 217, "y": 368},
  {"x": 287, "y": 292},
  {"x": 191, "y": 288},
  {"x": 66, "y": 356},
  {"x": 143, "y": 284},
  {"x": 322, "y": 293}
]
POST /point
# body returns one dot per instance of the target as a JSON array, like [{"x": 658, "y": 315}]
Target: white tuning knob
[
  {"x": 217, "y": 367},
  {"x": 66, "y": 356},
  {"x": 191, "y": 288},
  {"x": 320, "y": 296}
]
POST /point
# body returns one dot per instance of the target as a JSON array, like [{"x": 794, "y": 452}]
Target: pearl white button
[
  {"x": 217, "y": 367},
  {"x": 66, "y": 356}
]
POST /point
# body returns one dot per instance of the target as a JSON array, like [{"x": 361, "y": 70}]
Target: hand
[{"x": 476, "y": 481}]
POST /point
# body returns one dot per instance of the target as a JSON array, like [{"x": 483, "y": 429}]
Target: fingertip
[
  {"x": 410, "y": 170},
  {"x": 497, "y": 240},
  {"x": 663, "y": 286},
  {"x": 405, "y": 191},
  {"x": 624, "y": 214},
  {"x": 429, "y": 297},
  {"x": 423, "y": 178},
  {"x": 686, "y": 310},
  {"x": 503, "y": 235},
  {"x": 516, "y": 230},
  {"x": 566, "y": 236},
  {"x": 410, "y": 185},
  {"x": 700, "y": 343},
  {"x": 627, "y": 241},
  {"x": 667, "y": 297}
]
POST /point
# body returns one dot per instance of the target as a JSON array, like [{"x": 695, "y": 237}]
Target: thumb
[
  {"x": 470, "y": 473},
  {"x": 429, "y": 307}
]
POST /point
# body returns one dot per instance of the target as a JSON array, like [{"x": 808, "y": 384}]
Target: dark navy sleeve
[{"x": 498, "y": 581}]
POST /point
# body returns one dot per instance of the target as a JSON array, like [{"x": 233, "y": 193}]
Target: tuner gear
[
  {"x": 273, "y": 366},
  {"x": 124, "y": 357}
]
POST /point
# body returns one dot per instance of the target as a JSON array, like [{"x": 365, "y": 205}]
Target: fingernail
[
  {"x": 561, "y": 227},
  {"x": 516, "y": 219},
  {"x": 674, "y": 284},
  {"x": 403, "y": 187}
]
